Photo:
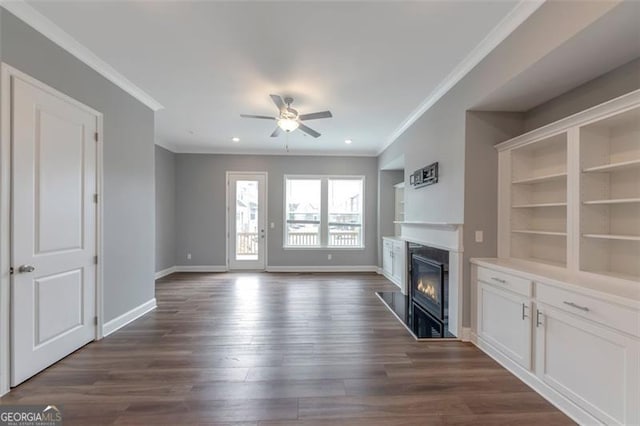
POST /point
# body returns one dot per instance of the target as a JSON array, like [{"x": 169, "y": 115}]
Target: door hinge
[
  {"x": 95, "y": 260},
  {"x": 96, "y": 136},
  {"x": 95, "y": 198},
  {"x": 95, "y": 320},
  {"x": 11, "y": 270}
]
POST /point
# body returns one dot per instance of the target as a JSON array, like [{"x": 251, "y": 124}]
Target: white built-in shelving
[
  {"x": 399, "y": 206},
  {"x": 610, "y": 195},
  {"x": 569, "y": 193},
  {"x": 539, "y": 200}
]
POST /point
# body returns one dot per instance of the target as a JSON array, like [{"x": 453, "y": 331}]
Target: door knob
[{"x": 26, "y": 268}]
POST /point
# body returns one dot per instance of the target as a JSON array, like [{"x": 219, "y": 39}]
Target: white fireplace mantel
[
  {"x": 442, "y": 235},
  {"x": 445, "y": 236}
]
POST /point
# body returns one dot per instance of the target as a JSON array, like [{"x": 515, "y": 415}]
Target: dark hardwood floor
[{"x": 279, "y": 349}]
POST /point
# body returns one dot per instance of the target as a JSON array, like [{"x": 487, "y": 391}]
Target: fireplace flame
[{"x": 429, "y": 289}]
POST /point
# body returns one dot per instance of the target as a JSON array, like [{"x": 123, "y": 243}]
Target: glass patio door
[{"x": 246, "y": 219}]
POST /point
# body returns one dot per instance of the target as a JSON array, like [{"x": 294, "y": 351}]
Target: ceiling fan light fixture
[{"x": 288, "y": 124}]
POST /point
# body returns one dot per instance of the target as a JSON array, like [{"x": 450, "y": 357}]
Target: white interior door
[
  {"x": 246, "y": 218},
  {"x": 53, "y": 227}
]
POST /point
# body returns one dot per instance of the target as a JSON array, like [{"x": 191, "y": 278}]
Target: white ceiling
[
  {"x": 611, "y": 41},
  {"x": 371, "y": 63}
]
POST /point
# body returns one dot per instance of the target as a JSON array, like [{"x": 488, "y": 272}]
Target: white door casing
[
  {"x": 54, "y": 227},
  {"x": 246, "y": 247}
]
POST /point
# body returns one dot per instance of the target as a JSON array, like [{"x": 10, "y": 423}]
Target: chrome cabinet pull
[
  {"x": 524, "y": 315},
  {"x": 573, "y": 305},
  {"x": 499, "y": 280},
  {"x": 538, "y": 322}
]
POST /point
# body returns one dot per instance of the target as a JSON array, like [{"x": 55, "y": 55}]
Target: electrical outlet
[
  {"x": 273, "y": 225},
  {"x": 479, "y": 236},
  {"x": 329, "y": 257},
  {"x": 188, "y": 256}
]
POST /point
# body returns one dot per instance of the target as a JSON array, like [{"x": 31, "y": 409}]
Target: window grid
[{"x": 340, "y": 223}]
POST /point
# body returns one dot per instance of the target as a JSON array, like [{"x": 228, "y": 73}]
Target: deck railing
[{"x": 247, "y": 242}]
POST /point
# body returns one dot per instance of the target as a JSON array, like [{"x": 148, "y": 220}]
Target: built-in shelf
[
  {"x": 568, "y": 193},
  {"x": 618, "y": 201},
  {"x": 540, "y": 179},
  {"x": 536, "y": 205},
  {"x": 537, "y": 260},
  {"x": 613, "y": 166},
  {"x": 613, "y": 237},
  {"x": 537, "y": 232}
]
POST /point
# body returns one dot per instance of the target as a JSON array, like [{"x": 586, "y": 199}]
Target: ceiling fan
[{"x": 288, "y": 118}]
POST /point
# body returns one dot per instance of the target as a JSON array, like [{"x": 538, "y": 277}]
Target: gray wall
[
  {"x": 615, "y": 83},
  {"x": 200, "y": 201},
  {"x": 165, "y": 163},
  {"x": 129, "y": 230},
  {"x": 483, "y": 130},
  {"x": 441, "y": 134}
]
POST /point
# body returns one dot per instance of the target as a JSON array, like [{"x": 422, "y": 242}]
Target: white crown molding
[
  {"x": 53, "y": 32},
  {"x": 221, "y": 151},
  {"x": 498, "y": 34}
]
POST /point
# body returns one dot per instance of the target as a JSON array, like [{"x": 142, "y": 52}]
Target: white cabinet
[
  {"x": 387, "y": 257},
  {"x": 579, "y": 348},
  {"x": 504, "y": 321},
  {"x": 398, "y": 262},
  {"x": 597, "y": 368},
  {"x": 393, "y": 260}
]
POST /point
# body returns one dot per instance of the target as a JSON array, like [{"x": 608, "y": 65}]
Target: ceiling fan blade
[
  {"x": 308, "y": 130},
  {"x": 276, "y": 132},
  {"x": 315, "y": 115},
  {"x": 279, "y": 102},
  {"x": 264, "y": 117}
]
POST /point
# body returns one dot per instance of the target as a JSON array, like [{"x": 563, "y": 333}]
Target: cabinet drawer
[
  {"x": 388, "y": 244},
  {"x": 507, "y": 281},
  {"x": 609, "y": 314}
]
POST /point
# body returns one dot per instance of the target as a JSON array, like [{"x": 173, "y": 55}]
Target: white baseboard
[
  {"x": 379, "y": 270},
  {"x": 124, "y": 319},
  {"x": 337, "y": 268},
  {"x": 466, "y": 334},
  {"x": 201, "y": 268},
  {"x": 166, "y": 272},
  {"x": 564, "y": 404}
]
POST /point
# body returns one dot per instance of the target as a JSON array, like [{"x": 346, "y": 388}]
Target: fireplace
[
  {"x": 424, "y": 310},
  {"x": 428, "y": 285},
  {"x": 429, "y": 289}
]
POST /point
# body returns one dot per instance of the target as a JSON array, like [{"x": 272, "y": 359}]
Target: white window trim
[{"x": 324, "y": 212}]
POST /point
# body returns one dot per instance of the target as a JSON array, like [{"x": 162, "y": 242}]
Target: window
[
  {"x": 324, "y": 211},
  {"x": 345, "y": 212},
  {"x": 303, "y": 212}
]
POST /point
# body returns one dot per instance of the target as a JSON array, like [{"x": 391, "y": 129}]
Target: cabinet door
[
  {"x": 398, "y": 262},
  {"x": 597, "y": 368},
  {"x": 504, "y": 321},
  {"x": 387, "y": 258}
]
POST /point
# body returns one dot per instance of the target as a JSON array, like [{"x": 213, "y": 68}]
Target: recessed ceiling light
[
  {"x": 348, "y": 141},
  {"x": 235, "y": 139}
]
